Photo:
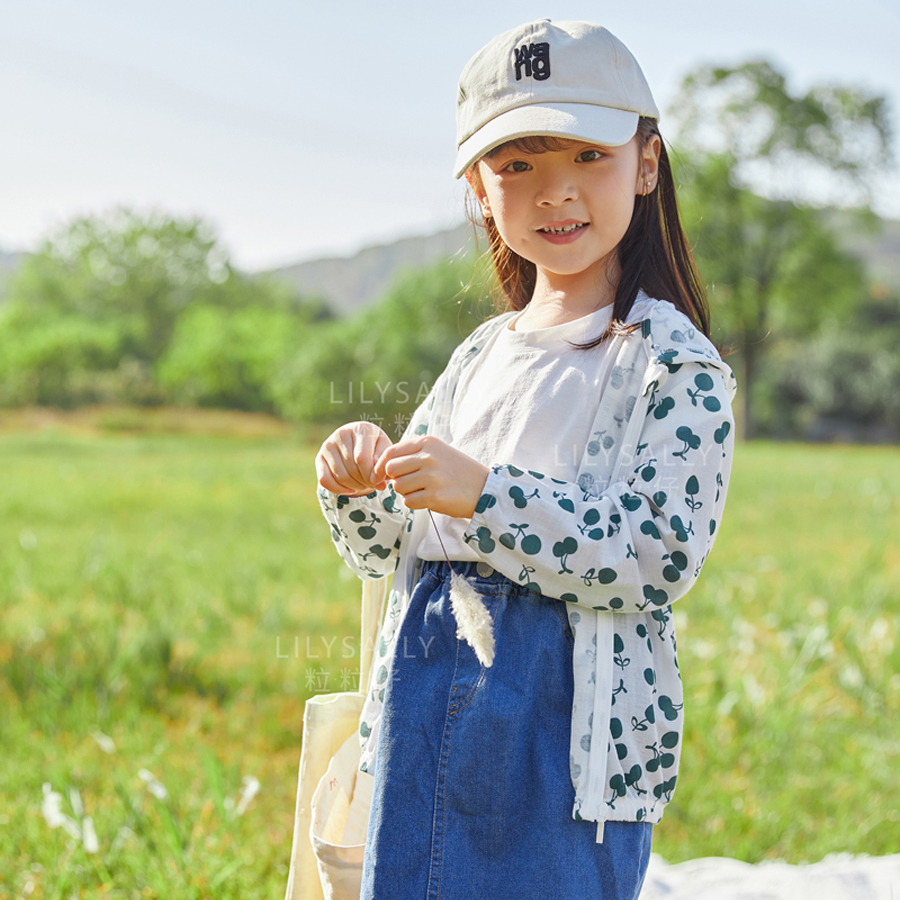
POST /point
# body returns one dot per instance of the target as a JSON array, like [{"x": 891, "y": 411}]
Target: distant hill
[
  {"x": 8, "y": 258},
  {"x": 8, "y": 261},
  {"x": 350, "y": 282}
]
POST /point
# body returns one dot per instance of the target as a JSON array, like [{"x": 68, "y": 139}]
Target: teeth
[{"x": 564, "y": 230}]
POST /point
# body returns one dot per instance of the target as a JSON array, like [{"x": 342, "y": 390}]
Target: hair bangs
[{"x": 534, "y": 143}]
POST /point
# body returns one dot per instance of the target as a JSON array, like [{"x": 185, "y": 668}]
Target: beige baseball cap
[{"x": 568, "y": 79}]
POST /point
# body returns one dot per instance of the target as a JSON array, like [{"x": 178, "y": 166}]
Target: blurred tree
[
  {"x": 380, "y": 363},
  {"x": 849, "y": 384},
  {"x": 140, "y": 272},
  {"x": 229, "y": 357},
  {"x": 90, "y": 314},
  {"x": 759, "y": 157}
]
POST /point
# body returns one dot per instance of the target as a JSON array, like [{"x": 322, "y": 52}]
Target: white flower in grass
[
  {"x": 104, "y": 742},
  {"x": 155, "y": 787},
  {"x": 251, "y": 789},
  {"x": 89, "y": 836},
  {"x": 51, "y": 809}
]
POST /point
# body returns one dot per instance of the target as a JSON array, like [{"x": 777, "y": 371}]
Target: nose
[{"x": 557, "y": 187}]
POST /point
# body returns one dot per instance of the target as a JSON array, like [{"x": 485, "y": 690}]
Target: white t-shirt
[{"x": 528, "y": 400}]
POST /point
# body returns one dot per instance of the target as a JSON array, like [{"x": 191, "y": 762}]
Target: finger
[
  {"x": 401, "y": 450},
  {"x": 409, "y": 484},
  {"x": 386, "y": 454},
  {"x": 335, "y": 483},
  {"x": 345, "y": 446},
  {"x": 365, "y": 442},
  {"x": 326, "y": 477},
  {"x": 344, "y": 477},
  {"x": 416, "y": 499},
  {"x": 381, "y": 445},
  {"x": 364, "y": 454},
  {"x": 404, "y": 465}
]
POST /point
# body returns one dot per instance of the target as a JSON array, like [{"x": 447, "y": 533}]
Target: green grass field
[{"x": 169, "y": 601}]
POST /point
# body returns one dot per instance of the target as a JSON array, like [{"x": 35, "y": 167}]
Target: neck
[{"x": 565, "y": 297}]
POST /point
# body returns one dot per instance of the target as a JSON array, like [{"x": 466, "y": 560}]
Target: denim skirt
[{"x": 472, "y": 792}]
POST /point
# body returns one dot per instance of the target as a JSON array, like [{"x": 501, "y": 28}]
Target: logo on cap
[{"x": 534, "y": 59}]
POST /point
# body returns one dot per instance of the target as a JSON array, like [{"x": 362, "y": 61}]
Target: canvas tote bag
[{"x": 333, "y": 796}]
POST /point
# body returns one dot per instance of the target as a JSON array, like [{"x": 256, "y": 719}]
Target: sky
[{"x": 303, "y": 129}]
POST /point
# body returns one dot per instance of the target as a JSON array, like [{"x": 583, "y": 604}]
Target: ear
[
  {"x": 474, "y": 180},
  {"x": 648, "y": 166}
]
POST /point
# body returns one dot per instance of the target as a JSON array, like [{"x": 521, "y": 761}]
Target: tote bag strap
[{"x": 374, "y": 594}]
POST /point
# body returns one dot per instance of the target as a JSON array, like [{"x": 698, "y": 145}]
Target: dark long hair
[{"x": 654, "y": 253}]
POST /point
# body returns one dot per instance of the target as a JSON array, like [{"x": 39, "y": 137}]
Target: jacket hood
[{"x": 672, "y": 339}]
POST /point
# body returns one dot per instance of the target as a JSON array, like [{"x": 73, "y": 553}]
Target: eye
[
  {"x": 589, "y": 155},
  {"x": 517, "y": 165}
]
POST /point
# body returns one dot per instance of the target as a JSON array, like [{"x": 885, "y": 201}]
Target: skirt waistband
[
  {"x": 477, "y": 571},
  {"x": 484, "y": 577}
]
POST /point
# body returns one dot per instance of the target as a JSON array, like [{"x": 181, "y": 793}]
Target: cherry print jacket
[{"x": 620, "y": 544}]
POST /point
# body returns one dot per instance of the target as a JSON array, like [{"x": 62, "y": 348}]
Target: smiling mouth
[{"x": 564, "y": 229}]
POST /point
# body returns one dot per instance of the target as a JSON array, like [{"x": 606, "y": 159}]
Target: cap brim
[{"x": 579, "y": 121}]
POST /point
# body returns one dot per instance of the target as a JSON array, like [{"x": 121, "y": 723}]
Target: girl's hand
[
  {"x": 345, "y": 462},
  {"x": 430, "y": 474}
]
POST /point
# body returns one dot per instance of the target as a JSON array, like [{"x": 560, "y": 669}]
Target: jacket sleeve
[
  {"x": 366, "y": 530},
  {"x": 642, "y": 542}
]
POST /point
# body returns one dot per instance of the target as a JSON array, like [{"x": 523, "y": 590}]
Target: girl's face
[{"x": 566, "y": 210}]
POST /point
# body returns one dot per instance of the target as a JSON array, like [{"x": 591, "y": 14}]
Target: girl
[{"x": 573, "y": 459}]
